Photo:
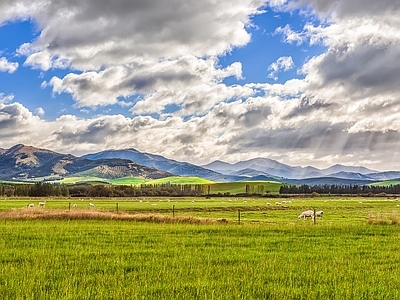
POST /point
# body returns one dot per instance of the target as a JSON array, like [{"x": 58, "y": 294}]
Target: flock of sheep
[
  {"x": 308, "y": 214},
  {"x": 42, "y": 204}
]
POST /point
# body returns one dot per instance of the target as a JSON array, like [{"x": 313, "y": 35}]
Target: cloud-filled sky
[{"x": 305, "y": 82}]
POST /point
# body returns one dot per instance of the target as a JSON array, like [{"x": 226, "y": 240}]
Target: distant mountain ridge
[
  {"x": 253, "y": 169},
  {"x": 162, "y": 163},
  {"x": 275, "y": 168},
  {"x": 22, "y": 162}
]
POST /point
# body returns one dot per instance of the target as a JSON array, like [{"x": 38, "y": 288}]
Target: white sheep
[
  {"x": 306, "y": 214},
  {"x": 42, "y": 203},
  {"x": 30, "y": 205},
  {"x": 75, "y": 206},
  {"x": 278, "y": 203},
  {"x": 91, "y": 205},
  {"x": 319, "y": 213}
]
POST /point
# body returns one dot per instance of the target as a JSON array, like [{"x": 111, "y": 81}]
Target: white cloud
[
  {"x": 5, "y": 99},
  {"x": 162, "y": 58},
  {"x": 6, "y": 66},
  {"x": 40, "y": 111},
  {"x": 290, "y": 36},
  {"x": 284, "y": 63},
  {"x": 137, "y": 47}
]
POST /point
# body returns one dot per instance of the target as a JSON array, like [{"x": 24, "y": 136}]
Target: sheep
[
  {"x": 278, "y": 203},
  {"x": 306, "y": 214},
  {"x": 75, "y": 206},
  {"x": 30, "y": 205},
  {"x": 91, "y": 205},
  {"x": 319, "y": 213},
  {"x": 42, "y": 203}
]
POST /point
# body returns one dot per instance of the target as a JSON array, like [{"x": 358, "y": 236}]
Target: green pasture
[
  {"x": 180, "y": 180},
  {"x": 264, "y": 210},
  {"x": 105, "y": 259},
  {"x": 81, "y": 179},
  {"x": 386, "y": 183},
  {"x": 240, "y": 187},
  {"x": 127, "y": 181}
]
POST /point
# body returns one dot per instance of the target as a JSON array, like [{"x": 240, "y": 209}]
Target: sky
[{"x": 304, "y": 82}]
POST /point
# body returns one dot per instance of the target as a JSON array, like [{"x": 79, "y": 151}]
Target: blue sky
[{"x": 303, "y": 82}]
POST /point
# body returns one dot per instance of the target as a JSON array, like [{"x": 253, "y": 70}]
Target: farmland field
[{"x": 351, "y": 253}]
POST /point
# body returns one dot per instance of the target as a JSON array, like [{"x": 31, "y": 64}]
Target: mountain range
[{"x": 23, "y": 163}]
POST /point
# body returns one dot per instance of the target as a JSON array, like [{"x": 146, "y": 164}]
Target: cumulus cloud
[
  {"x": 5, "y": 98},
  {"x": 290, "y": 36},
  {"x": 284, "y": 63},
  {"x": 6, "y": 66},
  {"x": 40, "y": 111},
  {"x": 154, "y": 57},
  {"x": 135, "y": 47},
  {"x": 22, "y": 126}
]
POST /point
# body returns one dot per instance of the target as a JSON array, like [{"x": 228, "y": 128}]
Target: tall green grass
[{"x": 131, "y": 260}]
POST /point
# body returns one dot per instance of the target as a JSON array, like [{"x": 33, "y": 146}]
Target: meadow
[{"x": 350, "y": 253}]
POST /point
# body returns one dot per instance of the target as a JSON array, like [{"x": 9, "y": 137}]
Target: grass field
[
  {"x": 240, "y": 187},
  {"x": 180, "y": 180},
  {"x": 80, "y": 179},
  {"x": 351, "y": 253},
  {"x": 386, "y": 183},
  {"x": 127, "y": 181}
]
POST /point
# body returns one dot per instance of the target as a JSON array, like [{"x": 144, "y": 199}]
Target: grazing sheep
[
  {"x": 268, "y": 204},
  {"x": 306, "y": 214},
  {"x": 30, "y": 205},
  {"x": 278, "y": 203},
  {"x": 75, "y": 206},
  {"x": 319, "y": 213},
  {"x": 42, "y": 203},
  {"x": 91, "y": 205}
]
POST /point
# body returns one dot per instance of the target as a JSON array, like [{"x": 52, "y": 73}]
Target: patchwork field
[{"x": 195, "y": 248}]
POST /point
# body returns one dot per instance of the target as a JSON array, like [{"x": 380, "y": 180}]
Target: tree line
[
  {"x": 86, "y": 190},
  {"x": 340, "y": 189}
]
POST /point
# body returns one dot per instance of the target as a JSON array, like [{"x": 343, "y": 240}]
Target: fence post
[
  {"x": 239, "y": 216},
  {"x": 315, "y": 218},
  {"x": 173, "y": 211},
  {"x": 117, "y": 207},
  {"x": 69, "y": 206}
]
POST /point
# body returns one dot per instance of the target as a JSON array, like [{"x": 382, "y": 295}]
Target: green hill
[
  {"x": 128, "y": 181},
  {"x": 386, "y": 183},
  {"x": 180, "y": 180},
  {"x": 81, "y": 179},
  {"x": 240, "y": 187}
]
